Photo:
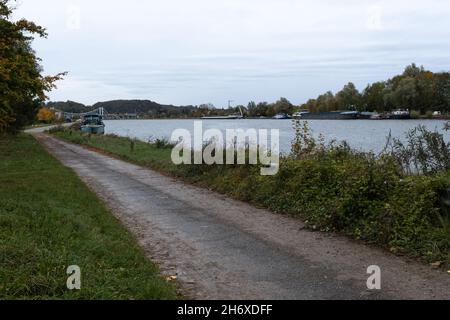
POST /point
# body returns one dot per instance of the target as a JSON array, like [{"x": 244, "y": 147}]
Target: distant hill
[
  {"x": 145, "y": 108},
  {"x": 69, "y": 106},
  {"x": 135, "y": 106}
]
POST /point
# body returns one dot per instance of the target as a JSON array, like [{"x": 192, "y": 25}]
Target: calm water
[{"x": 367, "y": 135}]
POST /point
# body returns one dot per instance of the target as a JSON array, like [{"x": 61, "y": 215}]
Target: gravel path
[{"x": 220, "y": 248}]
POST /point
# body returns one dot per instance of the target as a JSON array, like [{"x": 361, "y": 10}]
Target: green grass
[
  {"x": 340, "y": 190},
  {"x": 50, "y": 220}
]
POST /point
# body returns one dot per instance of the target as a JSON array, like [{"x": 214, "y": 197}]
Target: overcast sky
[{"x": 198, "y": 51}]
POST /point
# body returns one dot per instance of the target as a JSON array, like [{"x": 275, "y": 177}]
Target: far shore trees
[{"x": 415, "y": 89}]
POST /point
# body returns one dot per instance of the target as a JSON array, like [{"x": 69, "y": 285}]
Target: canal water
[{"x": 365, "y": 135}]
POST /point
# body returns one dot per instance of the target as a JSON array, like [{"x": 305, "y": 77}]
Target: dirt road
[{"x": 225, "y": 249}]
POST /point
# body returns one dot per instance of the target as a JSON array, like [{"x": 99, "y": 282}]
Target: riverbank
[
  {"x": 345, "y": 192},
  {"x": 50, "y": 220}
]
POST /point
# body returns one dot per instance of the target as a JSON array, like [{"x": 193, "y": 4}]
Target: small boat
[
  {"x": 380, "y": 116},
  {"x": 282, "y": 116},
  {"x": 400, "y": 115},
  {"x": 93, "y": 123},
  {"x": 348, "y": 115},
  {"x": 376, "y": 116},
  {"x": 367, "y": 115},
  {"x": 299, "y": 115}
]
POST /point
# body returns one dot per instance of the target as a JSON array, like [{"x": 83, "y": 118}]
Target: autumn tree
[
  {"x": 348, "y": 98},
  {"x": 326, "y": 102},
  {"x": 46, "y": 115},
  {"x": 310, "y": 105},
  {"x": 261, "y": 109},
  {"x": 283, "y": 105},
  {"x": 22, "y": 85},
  {"x": 252, "y": 108},
  {"x": 426, "y": 95},
  {"x": 413, "y": 71},
  {"x": 406, "y": 94},
  {"x": 373, "y": 97},
  {"x": 442, "y": 92}
]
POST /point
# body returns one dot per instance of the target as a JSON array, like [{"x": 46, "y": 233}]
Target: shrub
[
  {"x": 415, "y": 114},
  {"x": 423, "y": 152},
  {"x": 161, "y": 143}
]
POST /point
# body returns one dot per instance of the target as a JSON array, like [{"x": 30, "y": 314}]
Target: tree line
[{"x": 416, "y": 89}]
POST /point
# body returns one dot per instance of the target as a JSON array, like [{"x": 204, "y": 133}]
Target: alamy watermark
[
  {"x": 374, "y": 281},
  {"x": 237, "y": 146},
  {"x": 73, "y": 17},
  {"x": 74, "y": 279}
]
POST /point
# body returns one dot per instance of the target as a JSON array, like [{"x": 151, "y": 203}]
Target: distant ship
[
  {"x": 234, "y": 116},
  {"x": 230, "y": 117},
  {"x": 282, "y": 116},
  {"x": 332, "y": 115}
]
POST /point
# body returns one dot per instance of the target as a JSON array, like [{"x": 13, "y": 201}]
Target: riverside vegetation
[{"x": 396, "y": 199}]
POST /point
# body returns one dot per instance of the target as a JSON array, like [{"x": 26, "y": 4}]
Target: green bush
[
  {"x": 415, "y": 114},
  {"x": 429, "y": 114}
]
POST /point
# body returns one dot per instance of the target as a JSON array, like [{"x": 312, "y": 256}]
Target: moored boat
[
  {"x": 331, "y": 115},
  {"x": 93, "y": 124},
  {"x": 400, "y": 115},
  {"x": 349, "y": 115},
  {"x": 282, "y": 116},
  {"x": 299, "y": 115}
]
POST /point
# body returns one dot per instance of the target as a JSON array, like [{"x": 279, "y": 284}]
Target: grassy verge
[
  {"x": 335, "y": 189},
  {"x": 50, "y": 220}
]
